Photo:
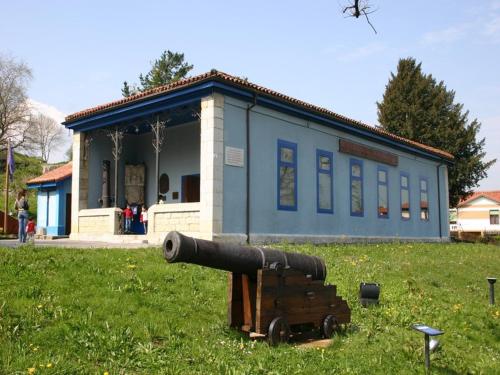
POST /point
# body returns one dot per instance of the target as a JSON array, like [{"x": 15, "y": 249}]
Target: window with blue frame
[
  {"x": 405, "y": 196},
  {"x": 287, "y": 175},
  {"x": 356, "y": 171},
  {"x": 382, "y": 193},
  {"x": 424, "y": 200},
  {"x": 324, "y": 181}
]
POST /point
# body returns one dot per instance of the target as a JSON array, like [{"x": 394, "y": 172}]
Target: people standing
[
  {"x": 22, "y": 208},
  {"x": 144, "y": 219},
  {"x": 30, "y": 230},
  {"x": 128, "y": 215}
]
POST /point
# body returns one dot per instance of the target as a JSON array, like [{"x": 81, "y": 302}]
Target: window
[
  {"x": 405, "y": 196},
  {"x": 324, "y": 180},
  {"x": 494, "y": 217},
  {"x": 287, "y": 175},
  {"x": 382, "y": 193},
  {"x": 356, "y": 168},
  {"x": 424, "y": 200}
]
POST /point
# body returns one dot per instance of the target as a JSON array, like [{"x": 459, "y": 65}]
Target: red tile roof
[
  {"x": 493, "y": 195},
  {"x": 217, "y": 75},
  {"x": 54, "y": 175}
]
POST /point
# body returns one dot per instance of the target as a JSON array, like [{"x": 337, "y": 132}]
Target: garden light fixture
[
  {"x": 492, "y": 281},
  {"x": 369, "y": 294},
  {"x": 430, "y": 343}
]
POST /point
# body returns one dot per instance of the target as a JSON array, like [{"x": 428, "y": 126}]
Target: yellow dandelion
[
  {"x": 49, "y": 365},
  {"x": 40, "y": 306},
  {"x": 31, "y": 370},
  {"x": 105, "y": 373}
]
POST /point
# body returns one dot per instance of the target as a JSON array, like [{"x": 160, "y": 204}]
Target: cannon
[{"x": 272, "y": 294}]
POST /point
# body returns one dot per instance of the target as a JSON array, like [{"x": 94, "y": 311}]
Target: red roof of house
[
  {"x": 493, "y": 195},
  {"x": 214, "y": 74},
  {"x": 54, "y": 175}
]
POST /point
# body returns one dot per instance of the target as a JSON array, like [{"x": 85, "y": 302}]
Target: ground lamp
[
  {"x": 369, "y": 294},
  {"x": 430, "y": 344},
  {"x": 492, "y": 281}
]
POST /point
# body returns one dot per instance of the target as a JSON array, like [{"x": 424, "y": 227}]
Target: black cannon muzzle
[{"x": 238, "y": 259}]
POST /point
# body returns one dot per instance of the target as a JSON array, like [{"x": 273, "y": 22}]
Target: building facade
[
  {"x": 218, "y": 157},
  {"x": 53, "y": 201},
  {"x": 479, "y": 213}
]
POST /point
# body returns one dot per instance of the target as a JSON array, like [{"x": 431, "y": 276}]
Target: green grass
[{"x": 128, "y": 312}]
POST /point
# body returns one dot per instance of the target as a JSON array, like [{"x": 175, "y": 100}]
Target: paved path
[{"x": 75, "y": 244}]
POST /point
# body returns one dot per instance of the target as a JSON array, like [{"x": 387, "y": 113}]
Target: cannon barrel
[{"x": 238, "y": 259}]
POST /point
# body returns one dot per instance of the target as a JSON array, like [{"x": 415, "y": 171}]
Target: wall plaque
[
  {"x": 366, "y": 152},
  {"x": 135, "y": 176},
  {"x": 235, "y": 157}
]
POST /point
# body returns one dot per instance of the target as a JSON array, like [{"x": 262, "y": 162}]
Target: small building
[
  {"x": 478, "y": 214},
  {"x": 53, "y": 200},
  {"x": 218, "y": 157}
]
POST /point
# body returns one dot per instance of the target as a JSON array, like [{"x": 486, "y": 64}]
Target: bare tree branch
[
  {"x": 359, "y": 8},
  {"x": 14, "y": 109},
  {"x": 45, "y": 136}
]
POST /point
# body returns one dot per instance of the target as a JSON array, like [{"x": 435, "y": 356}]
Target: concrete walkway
[{"x": 65, "y": 242}]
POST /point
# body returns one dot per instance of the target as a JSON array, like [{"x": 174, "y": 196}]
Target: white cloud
[
  {"x": 59, "y": 154},
  {"x": 47, "y": 110},
  {"x": 361, "y": 52},
  {"x": 445, "y": 36}
]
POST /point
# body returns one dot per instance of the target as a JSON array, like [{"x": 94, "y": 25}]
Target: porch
[{"x": 163, "y": 161}]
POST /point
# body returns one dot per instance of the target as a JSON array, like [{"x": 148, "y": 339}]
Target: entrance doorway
[
  {"x": 191, "y": 188},
  {"x": 67, "y": 225}
]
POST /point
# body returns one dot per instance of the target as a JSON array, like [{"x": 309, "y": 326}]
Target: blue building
[
  {"x": 54, "y": 200},
  {"x": 218, "y": 157}
]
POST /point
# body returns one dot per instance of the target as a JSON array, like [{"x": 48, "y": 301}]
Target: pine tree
[
  {"x": 417, "y": 107},
  {"x": 170, "y": 67}
]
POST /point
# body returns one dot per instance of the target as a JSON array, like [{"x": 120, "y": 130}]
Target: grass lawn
[{"x": 67, "y": 311}]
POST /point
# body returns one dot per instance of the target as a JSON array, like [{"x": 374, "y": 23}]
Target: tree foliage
[
  {"x": 170, "y": 67},
  {"x": 417, "y": 107},
  {"x": 14, "y": 108}
]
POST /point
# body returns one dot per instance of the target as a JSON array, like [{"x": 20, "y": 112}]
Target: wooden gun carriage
[{"x": 272, "y": 293}]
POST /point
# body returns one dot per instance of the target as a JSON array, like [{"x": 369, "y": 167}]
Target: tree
[
  {"x": 170, "y": 67},
  {"x": 46, "y": 136},
  {"x": 357, "y": 8},
  {"x": 417, "y": 107},
  {"x": 14, "y": 108}
]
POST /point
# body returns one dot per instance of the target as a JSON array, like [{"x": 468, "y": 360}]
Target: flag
[{"x": 10, "y": 161}]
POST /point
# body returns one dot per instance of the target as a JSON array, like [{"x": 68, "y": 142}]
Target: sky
[{"x": 80, "y": 52}]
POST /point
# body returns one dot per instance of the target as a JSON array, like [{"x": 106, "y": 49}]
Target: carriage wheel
[
  {"x": 329, "y": 326},
  {"x": 279, "y": 331}
]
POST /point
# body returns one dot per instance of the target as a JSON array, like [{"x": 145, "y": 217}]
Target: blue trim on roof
[
  {"x": 190, "y": 94},
  {"x": 46, "y": 185}
]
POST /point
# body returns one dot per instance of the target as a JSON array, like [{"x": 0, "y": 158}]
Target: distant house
[
  {"x": 53, "y": 200},
  {"x": 241, "y": 162},
  {"x": 479, "y": 213}
]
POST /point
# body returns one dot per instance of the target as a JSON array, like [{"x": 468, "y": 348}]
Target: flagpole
[{"x": 6, "y": 207}]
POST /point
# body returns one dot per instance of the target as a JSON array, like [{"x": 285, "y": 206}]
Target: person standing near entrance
[
  {"x": 127, "y": 213},
  {"x": 144, "y": 219},
  {"x": 22, "y": 208}
]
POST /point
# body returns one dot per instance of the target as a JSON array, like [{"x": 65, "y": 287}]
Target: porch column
[
  {"x": 79, "y": 181},
  {"x": 211, "y": 165}
]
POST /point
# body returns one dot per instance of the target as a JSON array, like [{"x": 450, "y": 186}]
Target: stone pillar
[
  {"x": 79, "y": 181},
  {"x": 211, "y": 165}
]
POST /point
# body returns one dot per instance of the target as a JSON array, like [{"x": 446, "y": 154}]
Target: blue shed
[{"x": 54, "y": 200}]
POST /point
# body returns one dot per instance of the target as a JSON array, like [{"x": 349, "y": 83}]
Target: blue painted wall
[
  {"x": 267, "y": 126},
  {"x": 180, "y": 156},
  {"x": 51, "y": 210}
]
